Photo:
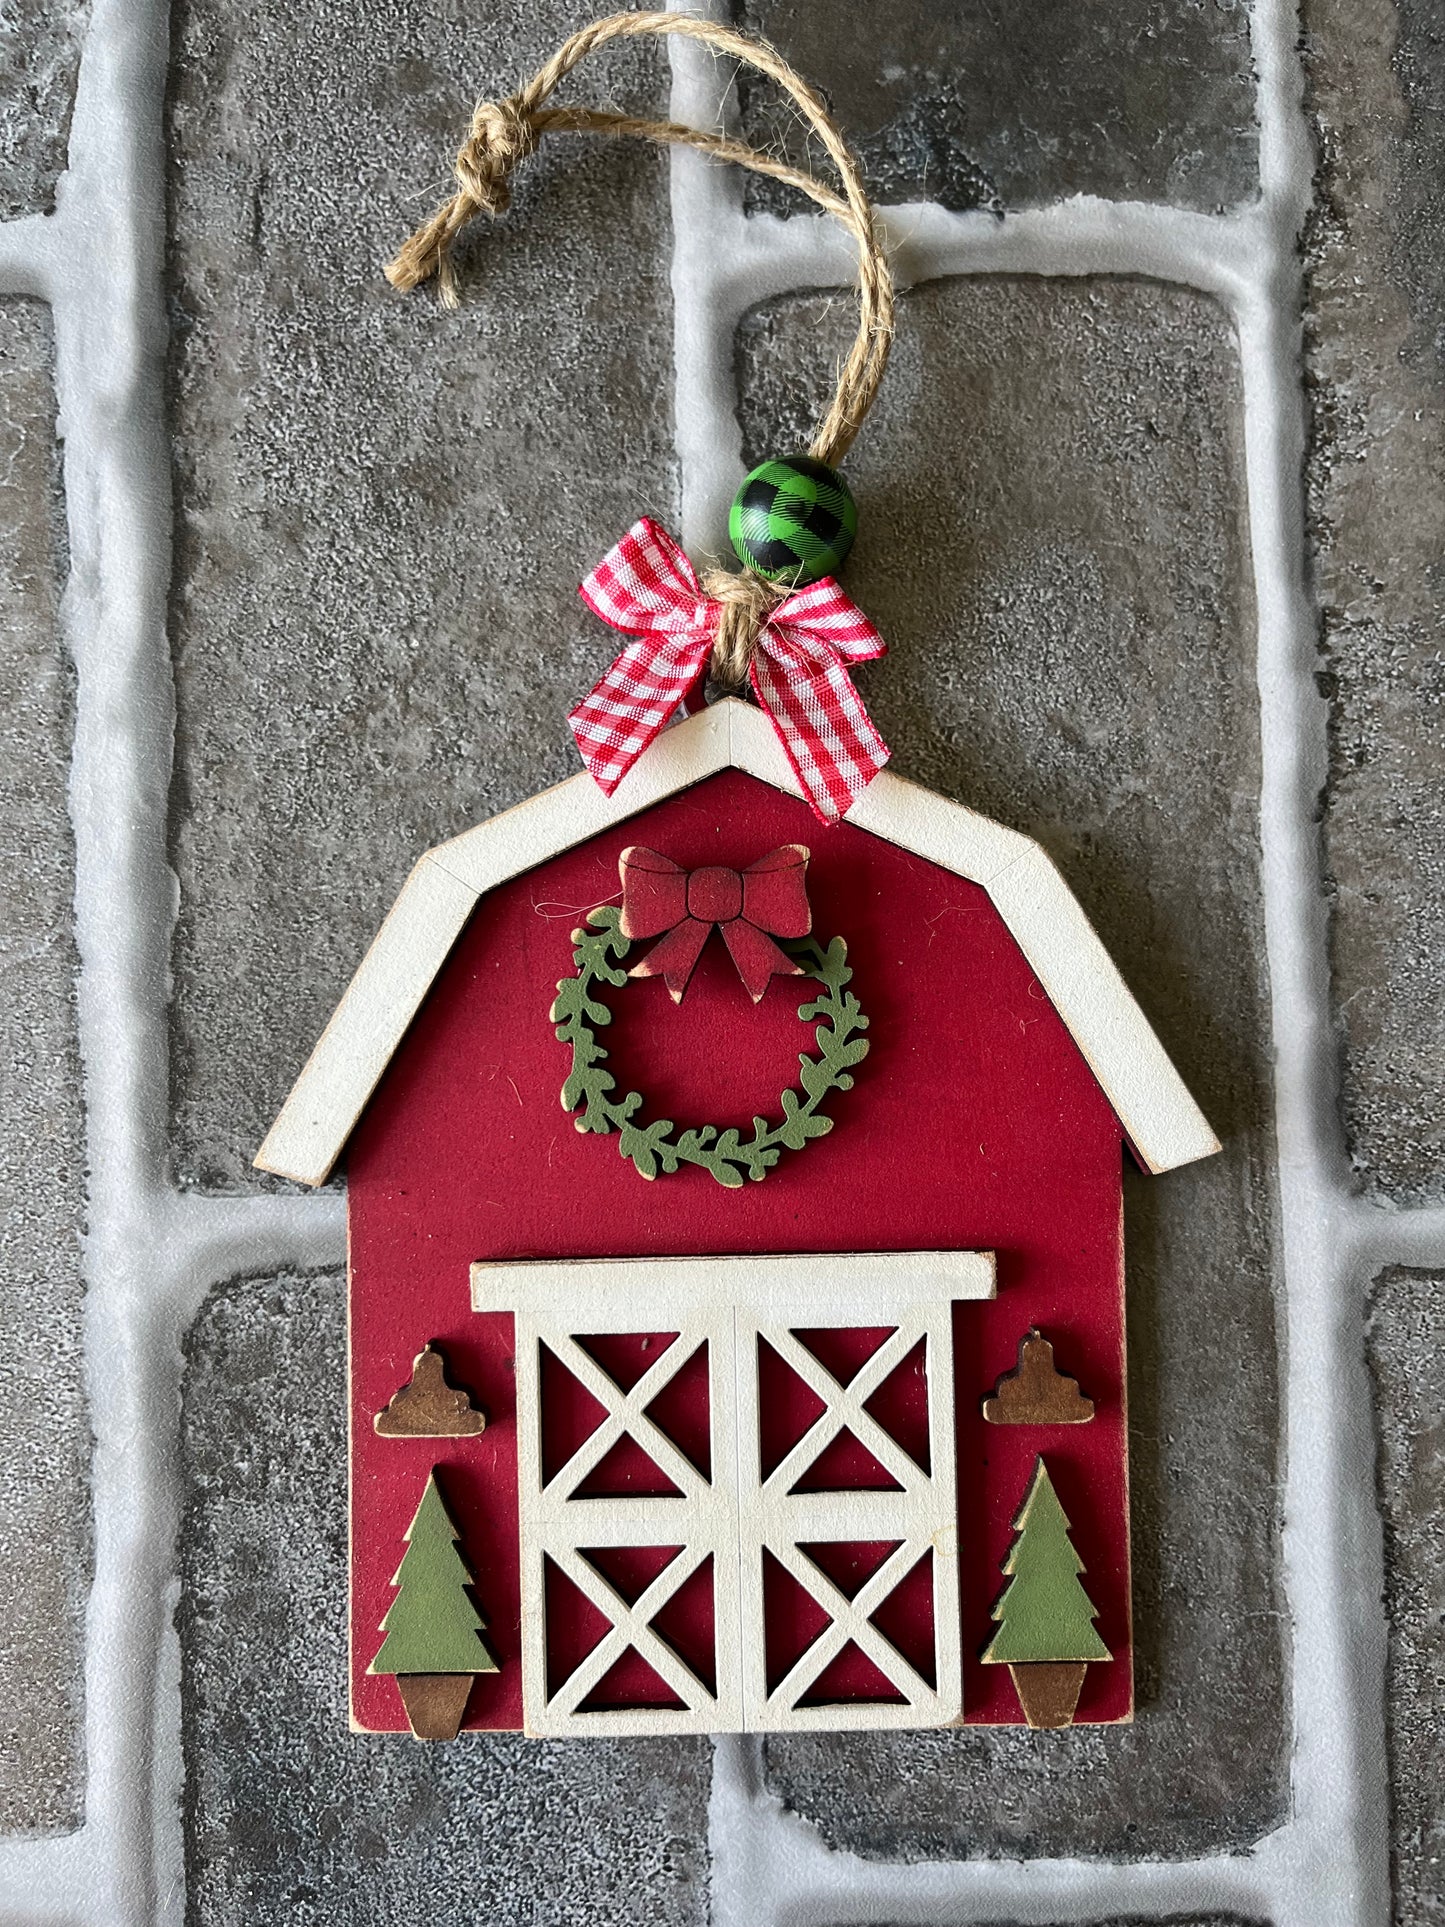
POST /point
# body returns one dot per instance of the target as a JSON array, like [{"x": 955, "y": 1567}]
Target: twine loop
[
  {"x": 504, "y": 132},
  {"x": 744, "y": 603}
]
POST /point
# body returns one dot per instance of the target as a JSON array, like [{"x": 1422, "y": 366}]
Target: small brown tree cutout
[
  {"x": 427, "y": 1407},
  {"x": 1036, "y": 1392}
]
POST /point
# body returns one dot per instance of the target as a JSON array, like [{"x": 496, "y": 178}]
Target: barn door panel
[
  {"x": 629, "y": 1593},
  {"x": 822, "y": 1552},
  {"x": 737, "y": 1491}
]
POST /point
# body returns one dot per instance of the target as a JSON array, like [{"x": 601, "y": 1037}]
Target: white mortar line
[
  {"x": 1331, "y": 1865},
  {"x": 106, "y": 243},
  {"x": 1382, "y": 1237},
  {"x": 1081, "y": 235},
  {"x": 709, "y": 232},
  {"x": 771, "y": 1867}
]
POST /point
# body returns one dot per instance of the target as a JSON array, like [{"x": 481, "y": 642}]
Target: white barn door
[{"x": 737, "y": 1517}]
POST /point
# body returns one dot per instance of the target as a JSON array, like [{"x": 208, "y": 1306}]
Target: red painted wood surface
[{"x": 975, "y": 1125}]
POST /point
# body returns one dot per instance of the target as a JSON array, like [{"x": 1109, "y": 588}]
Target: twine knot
[
  {"x": 502, "y": 133},
  {"x": 743, "y": 605}
]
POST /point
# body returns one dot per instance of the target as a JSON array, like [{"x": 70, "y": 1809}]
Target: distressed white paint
[
  {"x": 152, "y": 1255},
  {"x": 735, "y": 1515},
  {"x": 573, "y": 1286},
  {"x": 370, "y": 1021}
]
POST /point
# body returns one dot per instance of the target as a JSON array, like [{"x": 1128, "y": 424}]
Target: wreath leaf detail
[{"x": 732, "y": 1159}]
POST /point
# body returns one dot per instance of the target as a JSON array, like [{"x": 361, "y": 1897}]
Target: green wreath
[{"x": 651, "y": 1147}]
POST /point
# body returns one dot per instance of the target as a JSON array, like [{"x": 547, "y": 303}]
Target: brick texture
[{"x": 44, "y": 1433}]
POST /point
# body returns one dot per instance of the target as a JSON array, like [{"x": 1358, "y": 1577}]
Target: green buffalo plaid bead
[{"x": 793, "y": 520}]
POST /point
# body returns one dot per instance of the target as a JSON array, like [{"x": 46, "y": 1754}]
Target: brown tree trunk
[
  {"x": 1048, "y": 1693},
  {"x": 435, "y": 1702}
]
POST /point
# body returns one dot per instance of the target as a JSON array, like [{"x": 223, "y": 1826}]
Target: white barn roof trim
[{"x": 1161, "y": 1119}]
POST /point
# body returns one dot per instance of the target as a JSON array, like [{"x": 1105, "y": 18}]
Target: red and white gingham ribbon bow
[{"x": 799, "y": 672}]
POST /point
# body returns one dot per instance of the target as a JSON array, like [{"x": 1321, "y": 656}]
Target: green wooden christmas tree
[
  {"x": 1046, "y": 1635},
  {"x": 433, "y": 1630}
]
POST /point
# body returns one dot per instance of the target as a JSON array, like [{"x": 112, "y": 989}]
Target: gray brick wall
[
  {"x": 44, "y": 1430},
  {"x": 1160, "y": 580},
  {"x": 39, "y": 57},
  {"x": 1375, "y": 325},
  {"x": 1017, "y": 104},
  {"x": 1407, "y": 1346}
]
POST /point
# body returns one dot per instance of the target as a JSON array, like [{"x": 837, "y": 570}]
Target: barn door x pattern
[{"x": 737, "y": 1490}]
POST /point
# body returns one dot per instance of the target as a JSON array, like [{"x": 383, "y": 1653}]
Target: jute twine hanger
[{"x": 504, "y": 132}]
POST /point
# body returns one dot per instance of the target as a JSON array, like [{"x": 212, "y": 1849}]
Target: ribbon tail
[
  {"x": 820, "y": 719},
  {"x": 675, "y": 957},
  {"x": 626, "y": 709},
  {"x": 757, "y": 957}
]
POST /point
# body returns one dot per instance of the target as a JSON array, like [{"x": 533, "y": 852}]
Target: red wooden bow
[
  {"x": 684, "y": 907},
  {"x": 799, "y": 670}
]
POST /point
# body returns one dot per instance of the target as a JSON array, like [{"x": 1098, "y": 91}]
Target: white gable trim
[{"x": 1164, "y": 1124}]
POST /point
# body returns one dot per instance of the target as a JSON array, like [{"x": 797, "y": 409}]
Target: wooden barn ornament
[
  {"x": 715, "y": 1393},
  {"x": 457, "y": 1239}
]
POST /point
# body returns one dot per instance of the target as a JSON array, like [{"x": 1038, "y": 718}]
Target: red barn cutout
[{"x": 735, "y": 1473}]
